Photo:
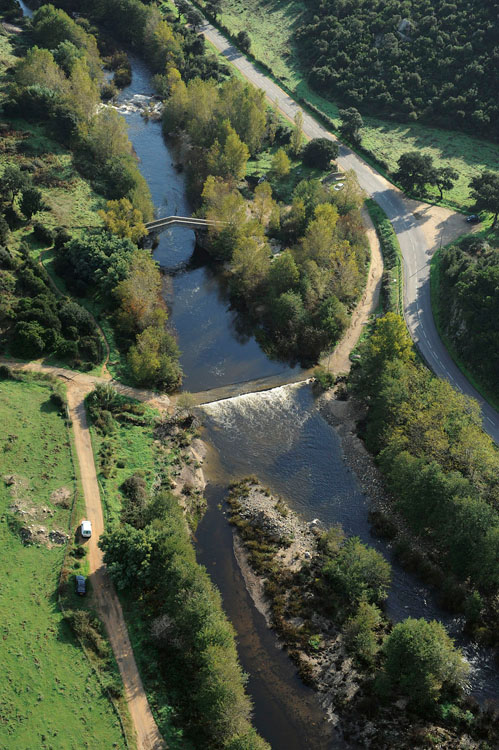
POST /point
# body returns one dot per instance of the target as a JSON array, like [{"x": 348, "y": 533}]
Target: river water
[
  {"x": 217, "y": 347},
  {"x": 278, "y": 435}
]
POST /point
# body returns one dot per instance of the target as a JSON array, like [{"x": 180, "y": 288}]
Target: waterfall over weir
[{"x": 280, "y": 436}]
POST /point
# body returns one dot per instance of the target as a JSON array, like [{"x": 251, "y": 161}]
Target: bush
[
  {"x": 422, "y": 662},
  {"x": 324, "y": 378},
  {"x": 358, "y": 573},
  {"x": 43, "y": 233},
  {"x": 360, "y": 632},
  {"x": 319, "y": 153},
  {"x": 5, "y": 372}
]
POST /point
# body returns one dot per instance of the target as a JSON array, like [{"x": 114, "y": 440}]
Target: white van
[{"x": 86, "y": 529}]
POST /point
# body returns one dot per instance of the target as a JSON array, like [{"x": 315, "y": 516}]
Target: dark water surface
[{"x": 216, "y": 350}]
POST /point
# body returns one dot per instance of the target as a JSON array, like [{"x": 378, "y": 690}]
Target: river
[{"x": 278, "y": 435}]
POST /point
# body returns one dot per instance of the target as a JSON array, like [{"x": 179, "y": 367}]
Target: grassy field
[
  {"x": 127, "y": 449},
  {"x": 271, "y": 26},
  {"x": 50, "y": 696}
]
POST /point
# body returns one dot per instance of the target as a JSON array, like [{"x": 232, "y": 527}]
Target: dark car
[
  {"x": 473, "y": 219},
  {"x": 81, "y": 585}
]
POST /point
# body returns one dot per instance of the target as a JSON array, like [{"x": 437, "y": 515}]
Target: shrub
[
  {"x": 358, "y": 572},
  {"x": 360, "y": 632},
  {"x": 43, "y": 233},
  {"x": 320, "y": 152},
  {"x": 422, "y": 662}
]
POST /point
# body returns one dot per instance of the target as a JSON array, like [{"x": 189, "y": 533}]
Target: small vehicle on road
[
  {"x": 81, "y": 585},
  {"x": 473, "y": 219},
  {"x": 86, "y": 529}
]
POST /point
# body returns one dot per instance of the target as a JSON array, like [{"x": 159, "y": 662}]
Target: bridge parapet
[{"x": 190, "y": 222}]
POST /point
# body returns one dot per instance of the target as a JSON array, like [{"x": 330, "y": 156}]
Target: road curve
[{"x": 415, "y": 250}]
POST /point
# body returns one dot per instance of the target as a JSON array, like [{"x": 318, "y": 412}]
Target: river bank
[{"x": 279, "y": 555}]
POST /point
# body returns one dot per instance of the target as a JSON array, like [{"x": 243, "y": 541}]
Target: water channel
[{"x": 278, "y": 435}]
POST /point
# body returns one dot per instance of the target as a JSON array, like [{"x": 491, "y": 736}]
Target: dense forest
[
  {"x": 435, "y": 61},
  {"x": 469, "y": 278}
]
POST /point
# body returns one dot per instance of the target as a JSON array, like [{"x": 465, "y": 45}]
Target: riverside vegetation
[
  {"x": 441, "y": 467},
  {"x": 325, "y": 593},
  {"x": 50, "y": 695},
  {"x": 183, "y": 642},
  {"x": 299, "y": 300},
  {"x": 58, "y": 82}
]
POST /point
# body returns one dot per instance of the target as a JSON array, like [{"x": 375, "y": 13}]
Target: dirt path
[
  {"x": 339, "y": 360},
  {"x": 106, "y": 600}
]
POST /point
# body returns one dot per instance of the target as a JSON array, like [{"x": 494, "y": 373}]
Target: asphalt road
[{"x": 416, "y": 254}]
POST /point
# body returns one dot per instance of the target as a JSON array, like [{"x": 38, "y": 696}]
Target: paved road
[{"x": 415, "y": 250}]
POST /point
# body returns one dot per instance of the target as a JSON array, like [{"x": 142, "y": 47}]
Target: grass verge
[{"x": 392, "y": 285}]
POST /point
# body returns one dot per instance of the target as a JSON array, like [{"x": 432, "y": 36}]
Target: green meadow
[{"x": 50, "y": 696}]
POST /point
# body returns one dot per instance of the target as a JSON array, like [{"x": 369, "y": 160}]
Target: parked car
[
  {"x": 86, "y": 529},
  {"x": 473, "y": 219},
  {"x": 81, "y": 585},
  {"x": 338, "y": 186}
]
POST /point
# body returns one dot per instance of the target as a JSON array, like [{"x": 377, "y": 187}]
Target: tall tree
[
  {"x": 415, "y": 171},
  {"x": 485, "y": 193},
  {"x": 445, "y": 178},
  {"x": 297, "y": 134},
  {"x": 351, "y": 124}
]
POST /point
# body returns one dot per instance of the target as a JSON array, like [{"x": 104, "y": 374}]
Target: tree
[
  {"x": 421, "y": 662},
  {"x": 14, "y": 180},
  {"x": 226, "y": 208},
  {"x": 445, "y": 178},
  {"x": 31, "y": 201},
  {"x": 243, "y": 41},
  {"x": 153, "y": 359},
  {"x": 319, "y": 153},
  {"x": 283, "y": 274},
  {"x": 389, "y": 342},
  {"x": 485, "y": 193},
  {"x": 351, "y": 123},
  {"x": 263, "y": 203},
  {"x": 250, "y": 264},
  {"x": 28, "y": 339},
  {"x": 319, "y": 239},
  {"x": 358, "y": 573},
  {"x": 280, "y": 164},
  {"x": 235, "y": 154},
  {"x": 123, "y": 220},
  {"x": 360, "y": 632},
  {"x": 297, "y": 134},
  {"x": 415, "y": 171},
  {"x": 138, "y": 295}
]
